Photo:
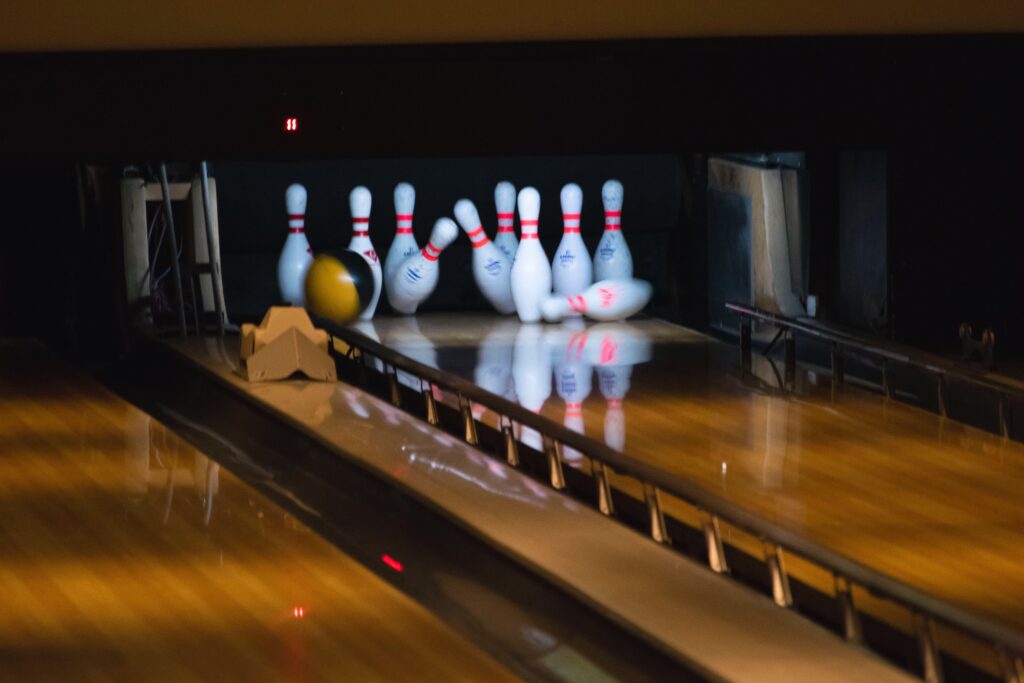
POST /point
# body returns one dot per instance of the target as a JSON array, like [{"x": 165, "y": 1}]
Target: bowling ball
[{"x": 339, "y": 285}]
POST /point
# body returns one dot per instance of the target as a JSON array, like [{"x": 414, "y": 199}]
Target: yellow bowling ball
[{"x": 339, "y": 285}]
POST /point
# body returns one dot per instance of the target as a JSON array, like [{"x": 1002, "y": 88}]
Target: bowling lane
[
  {"x": 926, "y": 500},
  {"x": 128, "y": 555}
]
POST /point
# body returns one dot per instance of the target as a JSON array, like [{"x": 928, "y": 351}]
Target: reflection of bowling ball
[{"x": 339, "y": 285}]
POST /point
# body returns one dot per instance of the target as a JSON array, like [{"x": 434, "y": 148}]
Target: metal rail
[
  {"x": 1008, "y": 645},
  {"x": 942, "y": 369}
]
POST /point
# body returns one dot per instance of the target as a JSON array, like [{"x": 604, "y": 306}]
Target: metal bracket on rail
[
  {"x": 396, "y": 392},
  {"x": 852, "y": 630},
  {"x": 716, "y": 549},
  {"x": 468, "y": 422},
  {"x": 1010, "y": 666},
  {"x": 604, "y": 488},
  {"x": 431, "y": 405},
  {"x": 511, "y": 445},
  {"x": 659, "y": 530},
  {"x": 553, "y": 452},
  {"x": 931, "y": 662},
  {"x": 781, "y": 593}
]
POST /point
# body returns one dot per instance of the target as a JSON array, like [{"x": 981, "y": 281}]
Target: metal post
[
  {"x": 428, "y": 398},
  {"x": 716, "y": 550},
  {"x": 931, "y": 664},
  {"x": 852, "y": 630},
  {"x": 215, "y": 281},
  {"x": 942, "y": 395},
  {"x": 396, "y": 392},
  {"x": 553, "y": 451},
  {"x": 165, "y": 190},
  {"x": 1004, "y": 416},
  {"x": 604, "y": 488},
  {"x": 781, "y": 593},
  {"x": 745, "y": 341},
  {"x": 1010, "y": 666},
  {"x": 511, "y": 447},
  {"x": 468, "y": 423},
  {"x": 790, "y": 345},
  {"x": 659, "y": 531}
]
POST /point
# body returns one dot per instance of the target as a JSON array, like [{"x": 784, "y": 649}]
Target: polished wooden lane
[
  {"x": 125, "y": 554},
  {"x": 926, "y": 500}
]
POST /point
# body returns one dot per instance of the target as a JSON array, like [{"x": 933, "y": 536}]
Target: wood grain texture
[
  {"x": 929, "y": 501},
  {"x": 110, "y": 571}
]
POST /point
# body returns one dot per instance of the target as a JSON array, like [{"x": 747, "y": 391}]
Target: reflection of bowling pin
[
  {"x": 604, "y": 300},
  {"x": 405, "y": 337},
  {"x": 616, "y": 344},
  {"x": 404, "y": 245},
  {"x": 505, "y": 203},
  {"x": 572, "y": 379},
  {"x": 296, "y": 255},
  {"x": 614, "y": 383},
  {"x": 531, "y": 373},
  {"x": 531, "y": 272},
  {"x": 571, "y": 269},
  {"x": 359, "y": 202},
  {"x": 367, "y": 328},
  {"x": 492, "y": 269},
  {"x": 612, "y": 260},
  {"x": 416, "y": 277}
]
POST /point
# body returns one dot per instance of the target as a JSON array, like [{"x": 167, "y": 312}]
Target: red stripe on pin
[
  {"x": 403, "y": 216},
  {"x": 569, "y": 231},
  {"x": 403, "y": 231},
  {"x": 530, "y": 223},
  {"x": 505, "y": 216},
  {"x": 612, "y": 214},
  {"x": 473, "y": 233},
  {"x": 360, "y": 233},
  {"x": 577, "y": 303},
  {"x": 506, "y": 228},
  {"x": 296, "y": 216},
  {"x": 296, "y": 231},
  {"x": 361, "y": 220},
  {"x": 530, "y": 236},
  {"x": 570, "y": 216}
]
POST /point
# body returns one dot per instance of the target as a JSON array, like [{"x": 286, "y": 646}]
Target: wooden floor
[
  {"x": 926, "y": 500},
  {"x": 126, "y": 555}
]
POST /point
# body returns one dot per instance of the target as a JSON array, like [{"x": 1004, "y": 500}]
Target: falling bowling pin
[
  {"x": 417, "y": 275},
  {"x": 612, "y": 260},
  {"x": 296, "y": 255},
  {"x": 404, "y": 245},
  {"x": 531, "y": 272},
  {"x": 492, "y": 269},
  {"x": 359, "y": 202},
  {"x": 571, "y": 269},
  {"x": 605, "y": 300},
  {"x": 505, "y": 203}
]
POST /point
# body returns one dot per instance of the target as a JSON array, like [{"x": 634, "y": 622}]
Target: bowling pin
[
  {"x": 417, "y": 275},
  {"x": 296, "y": 255},
  {"x": 505, "y": 203},
  {"x": 404, "y": 245},
  {"x": 359, "y": 202},
  {"x": 492, "y": 269},
  {"x": 604, "y": 300},
  {"x": 531, "y": 271},
  {"x": 571, "y": 270},
  {"x": 612, "y": 260}
]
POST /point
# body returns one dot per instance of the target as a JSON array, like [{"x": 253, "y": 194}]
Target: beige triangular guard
[{"x": 285, "y": 342}]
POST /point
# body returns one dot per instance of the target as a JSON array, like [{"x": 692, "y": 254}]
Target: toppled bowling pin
[
  {"x": 417, "y": 275},
  {"x": 492, "y": 269},
  {"x": 404, "y": 245},
  {"x": 531, "y": 271},
  {"x": 296, "y": 254},
  {"x": 605, "y": 300},
  {"x": 359, "y": 203},
  {"x": 505, "y": 204},
  {"x": 571, "y": 268},
  {"x": 612, "y": 260}
]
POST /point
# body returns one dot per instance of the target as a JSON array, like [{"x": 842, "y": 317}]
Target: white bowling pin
[
  {"x": 571, "y": 268},
  {"x": 296, "y": 255},
  {"x": 531, "y": 271},
  {"x": 492, "y": 269},
  {"x": 604, "y": 300},
  {"x": 404, "y": 245},
  {"x": 359, "y": 202},
  {"x": 505, "y": 203},
  {"x": 612, "y": 260},
  {"x": 417, "y": 275}
]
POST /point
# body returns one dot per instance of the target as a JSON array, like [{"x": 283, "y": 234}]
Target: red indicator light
[
  {"x": 291, "y": 124},
  {"x": 298, "y": 612},
  {"x": 391, "y": 562}
]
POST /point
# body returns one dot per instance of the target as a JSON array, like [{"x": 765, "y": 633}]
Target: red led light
[
  {"x": 291, "y": 124},
  {"x": 391, "y": 562}
]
